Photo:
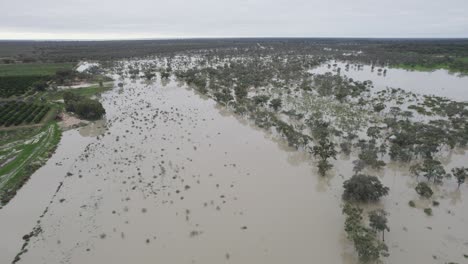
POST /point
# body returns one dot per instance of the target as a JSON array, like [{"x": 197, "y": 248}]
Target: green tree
[
  {"x": 431, "y": 169},
  {"x": 460, "y": 174},
  {"x": 241, "y": 92},
  {"x": 363, "y": 188},
  {"x": 82, "y": 106},
  {"x": 424, "y": 190},
  {"x": 40, "y": 85},
  {"x": 275, "y": 103},
  {"x": 378, "y": 221},
  {"x": 324, "y": 150},
  {"x": 368, "y": 247}
]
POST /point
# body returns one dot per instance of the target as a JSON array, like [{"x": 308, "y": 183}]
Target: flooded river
[{"x": 177, "y": 179}]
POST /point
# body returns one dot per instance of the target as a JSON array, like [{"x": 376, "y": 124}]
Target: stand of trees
[{"x": 84, "y": 107}]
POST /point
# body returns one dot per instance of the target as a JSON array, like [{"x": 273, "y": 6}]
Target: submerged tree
[
  {"x": 275, "y": 103},
  {"x": 363, "y": 188},
  {"x": 368, "y": 247},
  {"x": 378, "y": 221},
  {"x": 460, "y": 174},
  {"x": 431, "y": 169},
  {"x": 368, "y": 158},
  {"x": 149, "y": 74},
  {"x": 424, "y": 190},
  {"x": 324, "y": 150}
]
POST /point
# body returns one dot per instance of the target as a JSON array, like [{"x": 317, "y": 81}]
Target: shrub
[
  {"x": 424, "y": 190},
  {"x": 428, "y": 211}
]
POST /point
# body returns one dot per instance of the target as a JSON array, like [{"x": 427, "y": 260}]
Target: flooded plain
[
  {"x": 438, "y": 82},
  {"x": 175, "y": 178}
]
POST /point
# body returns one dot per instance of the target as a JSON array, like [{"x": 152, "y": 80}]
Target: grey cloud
[{"x": 223, "y": 18}]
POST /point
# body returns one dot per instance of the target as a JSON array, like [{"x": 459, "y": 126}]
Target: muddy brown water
[{"x": 177, "y": 179}]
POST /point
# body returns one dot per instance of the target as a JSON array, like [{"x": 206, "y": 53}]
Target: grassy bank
[
  {"x": 458, "y": 65},
  {"x": 27, "y": 154}
]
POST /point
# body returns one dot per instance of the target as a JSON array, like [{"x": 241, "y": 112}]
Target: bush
[
  {"x": 424, "y": 190},
  {"x": 428, "y": 211}
]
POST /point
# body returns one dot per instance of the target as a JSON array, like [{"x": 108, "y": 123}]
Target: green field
[
  {"x": 16, "y": 79},
  {"x": 33, "y": 69}
]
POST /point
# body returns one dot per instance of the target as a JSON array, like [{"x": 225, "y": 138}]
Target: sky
[{"x": 148, "y": 19}]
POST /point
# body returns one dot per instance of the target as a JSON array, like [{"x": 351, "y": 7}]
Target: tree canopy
[{"x": 363, "y": 188}]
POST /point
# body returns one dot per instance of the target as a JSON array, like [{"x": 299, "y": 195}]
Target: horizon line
[{"x": 227, "y": 38}]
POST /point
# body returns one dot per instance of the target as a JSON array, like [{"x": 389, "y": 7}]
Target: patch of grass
[
  {"x": 85, "y": 91},
  {"x": 33, "y": 69}
]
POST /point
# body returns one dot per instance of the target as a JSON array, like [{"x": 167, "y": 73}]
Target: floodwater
[
  {"x": 437, "y": 82},
  {"x": 177, "y": 179}
]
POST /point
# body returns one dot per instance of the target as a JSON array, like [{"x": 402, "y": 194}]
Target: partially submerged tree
[
  {"x": 324, "y": 150},
  {"x": 275, "y": 103},
  {"x": 431, "y": 169},
  {"x": 368, "y": 158},
  {"x": 378, "y": 221},
  {"x": 424, "y": 190},
  {"x": 368, "y": 247},
  {"x": 460, "y": 174},
  {"x": 363, "y": 188}
]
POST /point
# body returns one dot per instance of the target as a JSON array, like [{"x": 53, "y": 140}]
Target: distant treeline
[{"x": 423, "y": 53}]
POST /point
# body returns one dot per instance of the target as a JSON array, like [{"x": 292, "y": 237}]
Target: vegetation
[
  {"x": 33, "y": 69},
  {"x": 276, "y": 90},
  {"x": 460, "y": 175},
  {"x": 269, "y": 82},
  {"x": 324, "y": 150},
  {"x": 424, "y": 190},
  {"x": 16, "y": 79},
  {"x": 84, "y": 107},
  {"x": 31, "y": 150},
  {"x": 378, "y": 221},
  {"x": 428, "y": 211},
  {"x": 431, "y": 169},
  {"x": 408, "y": 53},
  {"x": 368, "y": 247},
  {"x": 363, "y": 188},
  {"x": 27, "y": 125},
  {"x": 14, "y": 113}
]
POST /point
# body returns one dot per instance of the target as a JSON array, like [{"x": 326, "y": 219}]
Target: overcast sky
[{"x": 117, "y": 19}]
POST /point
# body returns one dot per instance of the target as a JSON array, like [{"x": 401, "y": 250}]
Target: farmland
[
  {"x": 18, "y": 113},
  {"x": 17, "y": 79}
]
